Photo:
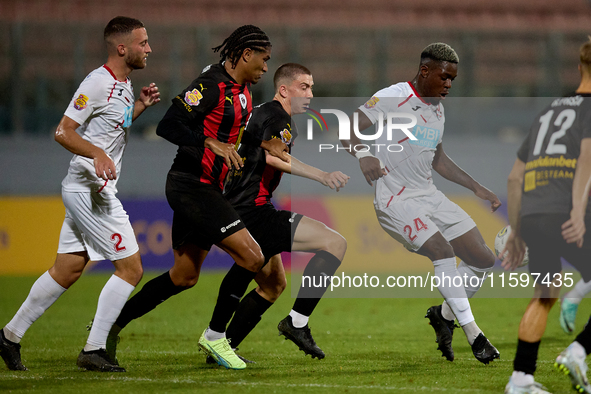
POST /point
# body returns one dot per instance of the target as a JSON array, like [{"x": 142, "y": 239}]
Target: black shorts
[
  {"x": 202, "y": 216},
  {"x": 542, "y": 234},
  {"x": 272, "y": 229}
]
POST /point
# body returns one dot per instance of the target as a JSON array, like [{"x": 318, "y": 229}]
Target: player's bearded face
[{"x": 138, "y": 49}]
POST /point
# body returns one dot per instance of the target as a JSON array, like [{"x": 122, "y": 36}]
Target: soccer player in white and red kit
[
  {"x": 95, "y": 127},
  {"x": 408, "y": 205}
]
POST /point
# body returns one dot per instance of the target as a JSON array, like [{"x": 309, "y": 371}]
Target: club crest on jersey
[
  {"x": 371, "y": 102},
  {"x": 285, "y": 136},
  {"x": 243, "y": 101},
  {"x": 193, "y": 97},
  {"x": 81, "y": 102}
]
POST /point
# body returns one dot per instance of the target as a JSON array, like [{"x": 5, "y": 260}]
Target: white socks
[
  {"x": 522, "y": 379},
  {"x": 44, "y": 292},
  {"x": 212, "y": 335},
  {"x": 112, "y": 299},
  {"x": 578, "y": 292},
  {"x": 298, "y": 320},
  {"x": 452, "y": 289},
  {"x": 473, "y": 277}
]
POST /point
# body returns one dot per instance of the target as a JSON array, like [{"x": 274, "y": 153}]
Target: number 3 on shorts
[
  {"x": 419, "y": 225},
  {"x": 117, "y": 238}
]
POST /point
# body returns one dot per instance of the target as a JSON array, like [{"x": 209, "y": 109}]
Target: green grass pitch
[{"x": 372, "y": 345}]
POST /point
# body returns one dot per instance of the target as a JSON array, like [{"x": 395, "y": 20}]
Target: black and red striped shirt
[
  {"x": 253, "y": 185},
  {"x": 214, "y": 106}
]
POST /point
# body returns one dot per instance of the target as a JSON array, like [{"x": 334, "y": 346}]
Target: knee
[
  {"x": 183, "y": 280},
  {"x": 135, "y": 273},
  {"x": 63, "y": 277},
  {"x": 483, "y": 258},
  {"x": 252, "y": 261},
  {"x": 272, "y": 291},
  {"x": 335, "y": 244},
  {"x": 437, "y": 250}
]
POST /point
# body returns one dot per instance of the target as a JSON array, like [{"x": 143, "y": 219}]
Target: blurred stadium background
[{"x": 510, "y": 52}]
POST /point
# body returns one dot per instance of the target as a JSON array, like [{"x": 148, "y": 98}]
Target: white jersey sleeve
[
  {"x": 384, "y": 101},
  {"x": 88, "y": 100}
]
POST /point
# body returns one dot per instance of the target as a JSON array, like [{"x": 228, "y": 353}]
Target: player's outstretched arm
[
  {"x": 515, "y": 244},
  {"x": 66, "y": 135},
  {"x": 334, "y": 180},
  {"x": 574, "y": 229},
  {"x": 448, "y": 169},
  {"x": 371, "y": 166},
  {"x": 149, "y": 95}
]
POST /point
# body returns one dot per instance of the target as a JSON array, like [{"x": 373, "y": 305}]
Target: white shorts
[
  {"x": 98, "y": 224},
  {"x": 412, "y": 222}
]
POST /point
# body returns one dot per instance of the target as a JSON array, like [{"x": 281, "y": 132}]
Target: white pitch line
[{"x": 243, "y": 383}]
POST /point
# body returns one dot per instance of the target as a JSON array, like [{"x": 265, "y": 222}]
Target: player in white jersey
[
  {"x": 95, "y": 128},
  {"x": 408, "y": 205}
]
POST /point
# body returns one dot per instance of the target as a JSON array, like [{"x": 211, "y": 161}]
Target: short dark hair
[
  {"x": 247, "y": 36},
  {"x": 439, "y": 52},
  {"x": 585, "y": 53},
  {"x": 288, "y": 72},
  {"x": 121, "y": 25}
]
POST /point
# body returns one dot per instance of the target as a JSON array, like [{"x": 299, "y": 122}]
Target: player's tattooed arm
[
  {"x": 448, "y": 169},
  {"x": 66, "y": 135},
  {"x": 574, "y": 229},
  {"x": 515, "y": 244},
  {"x": 149, "y": 95},
  {"x": 371, "y": 166}
]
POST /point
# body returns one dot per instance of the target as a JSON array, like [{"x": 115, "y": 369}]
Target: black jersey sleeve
[
  {"x": 175, "y": 127},
  {"x": 180, "y": 124}
]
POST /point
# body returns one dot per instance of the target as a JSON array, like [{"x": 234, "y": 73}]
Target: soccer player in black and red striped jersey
[
  {"x": 206, "y": 121},
  {"x": 250, "y": 189}
]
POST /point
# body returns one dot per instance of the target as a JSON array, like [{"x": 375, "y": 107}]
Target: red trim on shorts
[
  {"x": 417, "y": 93},
  {"x": 401, "y": 190},
  {"x": 402, "y": 140},
  {"x": 389, "y": 201},
  {"x": 402, "y": 103},
  {"x": 101, "y": 189}
]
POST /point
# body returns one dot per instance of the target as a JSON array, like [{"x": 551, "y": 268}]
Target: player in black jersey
[
  {"x": 548, "y": 191},
  {"x": 250, "y": 189},
  {"x": 206, "y": 121}
]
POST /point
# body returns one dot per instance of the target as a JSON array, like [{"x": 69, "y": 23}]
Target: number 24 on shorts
[{"x": 419, "y": 225}]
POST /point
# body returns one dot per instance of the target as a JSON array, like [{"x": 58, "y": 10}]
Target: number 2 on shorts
[{"x": 117, "y": 237}]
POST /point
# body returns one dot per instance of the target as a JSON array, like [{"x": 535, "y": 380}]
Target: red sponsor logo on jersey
[
  {"x": 371, "y": 102},
  {"x": 285, "y": 136},
  {"x": 193, "y": 97},
  {"x": 81, "y": 102}
]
